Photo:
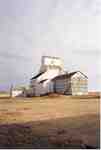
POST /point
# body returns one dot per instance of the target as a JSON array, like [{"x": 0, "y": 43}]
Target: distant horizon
[{"x": 8, "y": 89}]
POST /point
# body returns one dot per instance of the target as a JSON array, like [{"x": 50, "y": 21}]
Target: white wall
[
  {"x": 16, "y": 93},
  {"x": 49, "y": 74},
  {"x": 44, "y": 88}
]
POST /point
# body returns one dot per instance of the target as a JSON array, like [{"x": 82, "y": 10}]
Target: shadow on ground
[{"x": 76, "y": 132}]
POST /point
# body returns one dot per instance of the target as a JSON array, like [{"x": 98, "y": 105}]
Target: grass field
[{"x": 43, "y": 122}]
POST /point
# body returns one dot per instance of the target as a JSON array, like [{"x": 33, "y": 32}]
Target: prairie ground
[{"x": 49, "y": 122}]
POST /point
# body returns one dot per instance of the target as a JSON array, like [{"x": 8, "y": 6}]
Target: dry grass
[
  {"x": 17, "y": 110},
  {"x": 24, "y": 119}
]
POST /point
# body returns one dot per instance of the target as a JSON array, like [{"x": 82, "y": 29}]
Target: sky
[{"x": 29, "y": 29}]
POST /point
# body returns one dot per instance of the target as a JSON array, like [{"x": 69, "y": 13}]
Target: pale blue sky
[{"x": 29, "y": 29}]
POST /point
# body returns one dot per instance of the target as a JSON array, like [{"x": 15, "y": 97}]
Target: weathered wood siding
[
  {"x": 79, "y": 86},
  {"x": 74, "y": 85},
  {"x": 62, "y": 86},
  {"x": 44, "y": 88}
]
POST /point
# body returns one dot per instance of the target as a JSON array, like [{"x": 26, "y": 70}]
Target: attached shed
[
  {"x": 74, "y": 83},
  {"x": 41, "y": 84}
]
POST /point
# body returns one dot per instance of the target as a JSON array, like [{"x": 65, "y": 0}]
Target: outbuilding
[{"x": 18, "y": 91}]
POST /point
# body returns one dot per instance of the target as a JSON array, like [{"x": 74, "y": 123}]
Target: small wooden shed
[
  {"x": 18, "y": 91},
  {"x": 74, "y": 83}
]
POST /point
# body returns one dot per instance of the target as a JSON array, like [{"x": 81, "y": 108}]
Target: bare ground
[{"x": 49, "y": 122}]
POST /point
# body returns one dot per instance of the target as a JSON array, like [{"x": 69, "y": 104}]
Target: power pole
[{"x": 11, "y": 88}]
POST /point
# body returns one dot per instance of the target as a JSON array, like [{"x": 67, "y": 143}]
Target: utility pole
[
  {"x": 67, "y": 84},
  {"x": 11, "y": 88}
]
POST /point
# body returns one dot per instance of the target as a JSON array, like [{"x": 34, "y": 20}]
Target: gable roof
[
  {"x": 39, "y": 74},
  {"x": 83, "y": 74},
  {"x": 68, "y": 75}
]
